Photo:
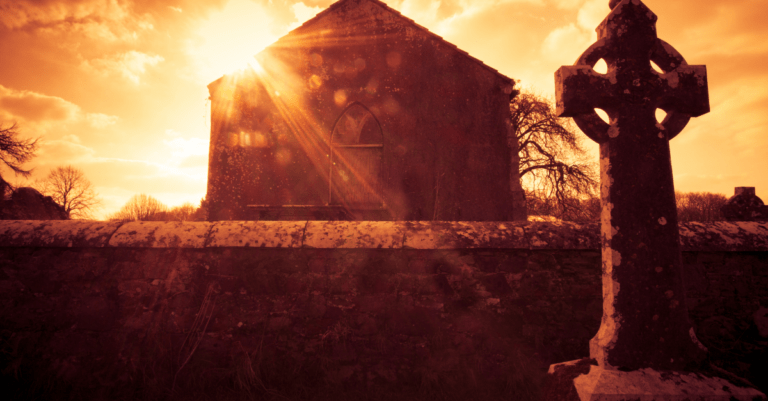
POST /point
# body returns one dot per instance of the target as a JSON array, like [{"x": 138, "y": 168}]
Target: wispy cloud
[{"x": 130, "y": 65}]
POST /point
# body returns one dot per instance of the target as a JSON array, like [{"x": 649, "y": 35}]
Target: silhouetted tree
[
  {"x": 552, "y": 162},
  {"x": 699, "y": 206},
  {"x": 146, "y": 208},
  {"x": 14, "y": 152},
  {"x": 185, "y": 212},
  {"x": 141, "y": 207},
  {"x": 69, "y": 188},
  {"x": 201, "y": 214}
]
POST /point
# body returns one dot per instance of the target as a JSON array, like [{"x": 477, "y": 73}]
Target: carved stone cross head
[{"x": 631, "y": 88}]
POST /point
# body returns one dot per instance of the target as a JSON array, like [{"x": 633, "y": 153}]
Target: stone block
[
  {"x": 158, "y": 234},
  {"x": 562, "y": 235},
  {"x": 760, "y": 318},
  {"x": 354, "y": 234},
  {"x": 724, "y": 236},
  {"x": 376, "y": 283},
  {"x": 496, "y": 284},
  {"x": 415, "y": 321},
  {"x": 94, "y": 314},
  {"x": 296, "y": 284},
  {"x": 488, "y": 262},
  {"x": 652, "y": 385},
  {"x": 421, "y": 285},
  {"x": 516, "y": 263},
  {"x": 57, "y": 233},
  {"x": 318, "y": 265},
  {"x": 538, "y": 261},
  {"x": 256, "y": 234},
  {"x": 464, "y": 235},
  {"x": 372, "y": 303},
  {"x": 695, "y": 279}
]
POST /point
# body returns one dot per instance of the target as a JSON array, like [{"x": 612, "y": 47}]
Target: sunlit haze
[{"x": 118, "y": 88}]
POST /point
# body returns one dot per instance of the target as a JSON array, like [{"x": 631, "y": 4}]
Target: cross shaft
[{"x": 645, "y": 319}]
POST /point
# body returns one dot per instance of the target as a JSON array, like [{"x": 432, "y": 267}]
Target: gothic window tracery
[{"x": 356, "y": 159}]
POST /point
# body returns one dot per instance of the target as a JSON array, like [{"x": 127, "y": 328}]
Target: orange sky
[{"x": 117, "y": 88}]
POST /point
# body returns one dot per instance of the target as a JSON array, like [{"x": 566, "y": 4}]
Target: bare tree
[
  {"x": 584, "y": 209},
  {"x": 185, "y": 212},
  {"x": 69, "y": 188},
  {"x": 553, "y": 163},
  {"x": 14, "y": 152},
  {"x": 699, "y": 206},
  {"x": 141, "y": 207}
]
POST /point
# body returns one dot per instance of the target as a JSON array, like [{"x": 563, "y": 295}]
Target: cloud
[
  {"x": 182, "y": 149},
  {"x": 35, "y": 107},
  {"x": 439, "y": 16},
  {"x": 106, "y": 20},
  {"x": 130, "y": 65},
  {"x": 566, "y": 43},
  {"x": 592, "y": 13},
  {"x": 68, "y": 150},
  {"x": 195, "y": 161},
  {"x": 304, "y": 13},
  {"x": 100, "y": 121},
  {"x": 52, "y": 118},
  {"x": 21, "y": 13},
  {"x": 119, "y": 179},
  {"x": 567, "y": 4}
]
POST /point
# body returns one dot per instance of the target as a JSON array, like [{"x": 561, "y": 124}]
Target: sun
[{"x": 228, "y": 40}]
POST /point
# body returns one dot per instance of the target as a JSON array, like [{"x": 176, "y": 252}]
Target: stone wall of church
[
  {"x": 113, "y": 310},
  {"x": 439, "y": 118}
]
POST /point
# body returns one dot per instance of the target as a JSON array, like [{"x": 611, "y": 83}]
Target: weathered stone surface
[
  {"x": 396, "y": 316},
  {"x": 562, "y": 235},
  {"x": 157, "y": 234},
  {"x": 761, "y": 321},
  {"x": 744, "y": 205},
  {"x": 455, "y": 235},
  {"x": 645, "y": 319},
  {"x": 353, "y": 234},
  {"x": 346, "y": 137},
  {"x": 652, "y": 385},
  {"x": 57, "y": 233},
  {"x": 724, "y": 236},
  {"x": 694, "y": 236},
  {"x": 270, "y": 234}
]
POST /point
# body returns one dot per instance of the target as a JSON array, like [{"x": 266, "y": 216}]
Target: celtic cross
[{"x": 645, "y": 319}]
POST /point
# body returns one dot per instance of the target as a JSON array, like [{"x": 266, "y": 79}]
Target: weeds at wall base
[{"x": 257, "y": 374}]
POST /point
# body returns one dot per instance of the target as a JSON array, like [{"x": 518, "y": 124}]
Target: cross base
[{"x": 583, "y": 381}]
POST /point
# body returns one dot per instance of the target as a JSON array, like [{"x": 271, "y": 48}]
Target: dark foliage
[
  {"x": 699, "y": 206},
  {"x": 143, "y": 207}
]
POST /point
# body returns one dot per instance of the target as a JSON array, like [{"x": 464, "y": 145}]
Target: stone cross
[{"x": 645, "y": 320}]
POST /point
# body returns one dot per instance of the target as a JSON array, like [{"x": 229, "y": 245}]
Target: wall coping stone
[{"x": 694, "y": 236}]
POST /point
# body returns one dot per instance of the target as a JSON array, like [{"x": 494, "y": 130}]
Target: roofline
[{"x": 412, "y": 22}]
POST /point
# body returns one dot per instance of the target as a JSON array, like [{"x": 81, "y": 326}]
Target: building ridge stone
[{"x": 422, "y": 28}]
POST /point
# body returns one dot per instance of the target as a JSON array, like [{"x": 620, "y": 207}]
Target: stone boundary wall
[
  {"x": 146, "y": 310},
  {"x": 709, "y": 236}
]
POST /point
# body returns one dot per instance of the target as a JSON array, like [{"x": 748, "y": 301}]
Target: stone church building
[{"x": 362, "y": 114}]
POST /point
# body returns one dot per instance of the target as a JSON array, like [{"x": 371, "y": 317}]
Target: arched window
[{"x": 356, "y": 159}]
